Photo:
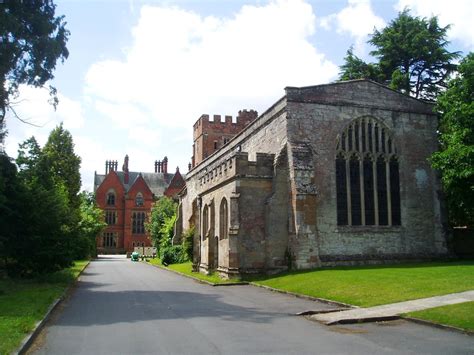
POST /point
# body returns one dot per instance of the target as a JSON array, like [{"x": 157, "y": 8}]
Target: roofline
[{"x": 342, "y": 82}]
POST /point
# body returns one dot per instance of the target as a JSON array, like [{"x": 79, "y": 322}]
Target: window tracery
[{"x": 367, "y": 175}]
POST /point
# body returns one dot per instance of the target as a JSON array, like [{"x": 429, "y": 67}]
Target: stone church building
[
  {"x": 334, "y": 174},
  {"x": 126, "y": 197}
]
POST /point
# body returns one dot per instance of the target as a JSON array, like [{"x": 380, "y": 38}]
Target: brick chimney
[
  {"x": 165, "y": 165},
  {"x": 125, "y": 170},
  {"x": 110, "y": 165}
]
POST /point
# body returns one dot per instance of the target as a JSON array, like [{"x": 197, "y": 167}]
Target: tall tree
[
  {"x": 455, "y": 160},
  {"x": 63, "y": 163},
  {"x": 32, "y": 39},
  {"x": 412, "y": 57}
]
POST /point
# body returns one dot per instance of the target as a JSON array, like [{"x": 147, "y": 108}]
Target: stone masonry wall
[{"x": 413, "y": 127}]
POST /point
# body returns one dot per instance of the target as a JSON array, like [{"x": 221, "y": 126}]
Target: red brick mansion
[{"x": 126, "y": 198}]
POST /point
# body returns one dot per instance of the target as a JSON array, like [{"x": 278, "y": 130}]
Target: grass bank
[
  {"x": 375, "y": 285},
  {"x": 24, "y": 302},
  {"x": 186, "y": 268},
  {"x": 457, "y": 315}
]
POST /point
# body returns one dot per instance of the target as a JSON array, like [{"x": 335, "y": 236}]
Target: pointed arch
[
  {"x": 223, "y": 219},
  {"x": 367, "y": 175}
]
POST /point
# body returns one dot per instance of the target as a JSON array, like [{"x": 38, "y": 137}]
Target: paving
[
  {"x": 390, "y": 311},
  {"x": 124, "y": 307}
]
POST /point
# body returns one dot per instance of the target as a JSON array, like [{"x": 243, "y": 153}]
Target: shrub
[{"x": 188, "y": 242}]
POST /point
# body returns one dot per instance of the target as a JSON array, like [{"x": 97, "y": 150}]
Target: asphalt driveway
[{"x": 122, "y": 307}]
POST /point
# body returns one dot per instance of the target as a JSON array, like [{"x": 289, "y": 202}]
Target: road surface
[{"x": 124, "y": 307}]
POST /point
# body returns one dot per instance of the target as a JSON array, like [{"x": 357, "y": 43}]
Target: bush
[
  {"x": 188, "y": 243},
  {"x": 172, "y": 255}
]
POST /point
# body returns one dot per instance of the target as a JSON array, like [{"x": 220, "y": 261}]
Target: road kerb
[
  {"x": 29, "y": 339},
  {"x": 239, "y": 283},
  {"x": 438, "y": 325}
]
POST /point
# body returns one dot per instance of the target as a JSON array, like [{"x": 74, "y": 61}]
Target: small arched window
[
  {"x": 205, "y": 221},
  {"x": 139, "y": 199},
  {"x": 223, "y": 219},
  {"x": 110, "y": 199},
  {"x": 367, "y": 175}
]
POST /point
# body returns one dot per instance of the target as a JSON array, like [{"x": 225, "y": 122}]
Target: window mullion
[
  {"x": 376, "y": 198},
  {"x": 348, "y": 189},
  {"x": 362, "y": 193},
  {"x": 389, "y": 194}
]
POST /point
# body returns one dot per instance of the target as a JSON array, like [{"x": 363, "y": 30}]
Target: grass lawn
[
  {"x": 457, "y": 315},
  {"x": 24, "y": 302},
  {"x": 375, "y": 285},
  {"x": 186, "y": 268}
]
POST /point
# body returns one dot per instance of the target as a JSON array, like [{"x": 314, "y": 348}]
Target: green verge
[
  {"x": 456, "y": 315},
  {"x": 24, "y": 302},
  {"x": 375, "y": 285},
  {"x": 186, "y": 268}
]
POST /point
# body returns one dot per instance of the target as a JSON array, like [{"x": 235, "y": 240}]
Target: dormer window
[
  {"x": 139, "y": 199},
  {"x": 111, "y": 198}
]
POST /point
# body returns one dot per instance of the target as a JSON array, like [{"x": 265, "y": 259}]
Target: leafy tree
[
  {"x": 32, "y": 40},
  {"x": 162, "y": 210},
  {"x": 455, "y": 160},
  {"x": 412, "y": 57},
  {"x": 90, "y": 225},
  {"x": 40, "y": 239},
  {"x": 64, "y": 164}
]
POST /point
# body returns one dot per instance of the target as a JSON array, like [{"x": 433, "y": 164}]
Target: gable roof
[
  {"x": 157, "y": 182},
  {"x": 360, "y": 92}
]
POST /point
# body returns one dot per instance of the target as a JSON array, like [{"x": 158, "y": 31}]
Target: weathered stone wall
[
  {"x": 318, "y": 120},
  {"x": 277, "y": 216},
  {"x": 282, "y": 209}
]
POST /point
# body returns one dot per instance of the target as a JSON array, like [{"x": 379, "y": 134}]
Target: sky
[{"x": 140, "y": 73}]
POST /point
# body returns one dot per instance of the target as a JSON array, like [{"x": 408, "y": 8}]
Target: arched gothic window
[
  {"x": 111, "y": 198},
  {"x": 223, "y": 219},
  {"x": 367, "y": 175}
]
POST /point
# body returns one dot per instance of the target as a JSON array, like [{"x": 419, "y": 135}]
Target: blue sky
[{"x": 140, "y": 73}]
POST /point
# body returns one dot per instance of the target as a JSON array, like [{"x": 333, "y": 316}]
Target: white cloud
[
  {"x": 357, "y": 19},
  {"x": 459, "y": 14},
  {"x": 32, "y": 107},
  {"x": 182, "y": 64},
  {"x": 178, "y": 66}
]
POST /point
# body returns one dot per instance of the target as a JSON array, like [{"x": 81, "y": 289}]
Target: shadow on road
[{"x": 93, "y": 306}]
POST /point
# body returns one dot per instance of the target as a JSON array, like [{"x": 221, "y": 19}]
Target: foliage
[
  {"x": 40, "y": 219},
  {"x": 168, "y": 253},
  {"x": 64, "y": 164},
  {"x": 25, "y": 302},
  {"x": 455, "y": 160},
  {"x": 161, "y": 228},
  {"x": 32, "y": 40},
  {"x": 356, "y": 68},
  {"x": 162, "y": 210},
  {"x": 456, "y": 315},
  {"x": 188, "y": 243},
  {"x": 11, "y": 206},
  {"x": 412, "y": 57},
  {"x": 90, "y": 225},
  {"x": 368, "y": 286}
]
